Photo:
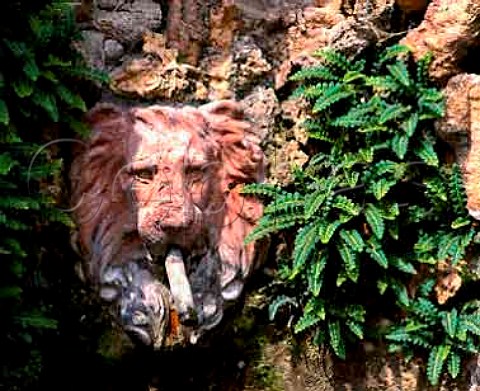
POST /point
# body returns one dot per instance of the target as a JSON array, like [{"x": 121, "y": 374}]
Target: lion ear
[{"x": 103, "y": 112}]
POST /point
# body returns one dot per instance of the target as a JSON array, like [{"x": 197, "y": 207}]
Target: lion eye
[
  {"x": 196, "y": 173},
  {"x": 144, "y": 174}
]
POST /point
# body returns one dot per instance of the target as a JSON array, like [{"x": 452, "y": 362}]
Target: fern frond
[
  {"x": 436, "y": 360},
  {"x": 330, "y": 96},
  {"x": 305, "y": 242},
  {"x": 393, "y": 52},
  {"x": 400, "y": 73},
  {"x": 315, "y": 72},
  {"x": 336, "y": 339},
  {"x": 262, "y": 189},
  {"x": 400, "y": 145},
  {"x": 374, "y": 218},
  {"x": 315, "y": 274},
  {"x": 334, "y": 59},
  {"x": 326, "y": 230},
  {"x": 453, "y": 364},
  {"x": 350, "y": 262},
  {"x": 268, "y": 225},
  {"x": 426, "y": 152},
  {"x": 402, "y": 265},
  {"x": 450, "y": 321},
  {"x": 286, "y": 203},
  {"x": 277, "y": 303},
  {"x": 353, "y": 239}
]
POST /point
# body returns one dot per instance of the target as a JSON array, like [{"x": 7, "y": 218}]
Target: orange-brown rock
[
  {"x": 225, "y": 21},
  {"x": 157, "y": 74},
  {"x": 308, "y": 34},
  {"x": 461, "y": 128},
  {"x": 185, "y": 28},
  {"x": 449, "y": 29}
]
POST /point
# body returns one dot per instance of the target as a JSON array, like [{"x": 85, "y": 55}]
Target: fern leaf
[
  {"x": 378, "y": 256},
  {"x": 449, "y": 322},
  {"x": 460, "y": 222},
  {"x": 453, "y": 364},
  {"x": 70, "y": 98},
  {"x": 314, "y": 201},
  {"x": 410, "y": 125},
  {"x": 315, "y": 275},
  {"x": 393, "y": 52},
  {"x": 393, "y": 112},
  {"x": 401, "y": 293},
  {"x": 268, "y": 225},
  {"x": 285, "y": 203},
  {"x": 31, "y": 69},
  {"x": 402, "y": 265},
  {"x": 456, "y": 190},
  {"x": 353, "y": 239},
  {"x": 347, "y": 205},
  {"x": 336, "y": 339},
  {"x": 331, "y": 95},
  {"x": 22, "y": 87},
  {"x": 334, "y": 59},
  {"x": 469, "y": 323},
  {"x": 350, "y": 261},
  {"x": 305, "y": 242},
  {"x": 436, "y": 360},
  {"x": 326, "y": 230},
  {"x": 320, "y": 72},
  {"x": 48, "y": 103},
  {"x": 425, "y": 309},
  {"x": 381, "y": 187},
  {"x": 6, "y": 163},
  {"x": 374, "y": 218},
  {"x": 262, "y": 189},
  {"x": 351, "y": 177},
  {"x": 306, "y": 321},
  {"x": 4, "y": 115},
  {"x": 279, "y": 302},
  {"x": 400, "y": 73},
  {"x": 355, "y": 328},
  {"x": 400, "y": 145},
  {"x": 426, "y": 152}
]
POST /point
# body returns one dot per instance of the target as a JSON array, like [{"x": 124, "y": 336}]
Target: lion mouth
[{"x": 180, "y": 288}]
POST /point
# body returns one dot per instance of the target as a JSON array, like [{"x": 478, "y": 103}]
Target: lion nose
[{"x": 176, "y": 218}]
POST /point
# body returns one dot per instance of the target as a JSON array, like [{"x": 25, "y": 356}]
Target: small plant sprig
[
  {"x": 374, "y": 202},
  {"x": 445, "y": 335}
]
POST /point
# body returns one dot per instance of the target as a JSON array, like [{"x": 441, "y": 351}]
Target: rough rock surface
[
  {"x": 262, "y": 107},
  {"x": 461, "y": 128},
  {"x": 450, "y": 29},
  {"x": 309, "y": 32},
  {"x": 128, "y": 20}
]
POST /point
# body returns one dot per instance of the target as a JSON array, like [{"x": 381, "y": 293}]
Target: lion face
[
  {"x": 161, "y": 219},
  {"x": 172, "y": 175}
]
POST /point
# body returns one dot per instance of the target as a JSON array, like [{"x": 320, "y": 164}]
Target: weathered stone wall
[{"x": 193, "y": 51}]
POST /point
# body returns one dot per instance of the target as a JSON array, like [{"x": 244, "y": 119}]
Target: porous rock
[
  {"x": 461, "y": 128},
  {"x": 129, "y": 20},
  {"x": 91, "y": 47},
  {"x": 250, "y": 66},
  {"x": 449, "y": 30},
  {"x": 309, "y": 32},
  {"x": 261, "y": 106}
]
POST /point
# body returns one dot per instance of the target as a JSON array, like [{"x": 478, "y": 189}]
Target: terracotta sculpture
[{"x": 161, "y": 221}]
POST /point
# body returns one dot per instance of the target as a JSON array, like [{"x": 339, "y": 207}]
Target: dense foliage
[
  {"x": 40, "y": 72},
  {"x": 375, "y": 206}
]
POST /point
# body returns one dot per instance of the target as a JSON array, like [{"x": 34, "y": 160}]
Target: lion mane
[{"x": 110, "y": 232}]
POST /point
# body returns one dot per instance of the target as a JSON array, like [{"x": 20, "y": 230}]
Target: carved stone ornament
[{"x": 161, "y": 218}]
